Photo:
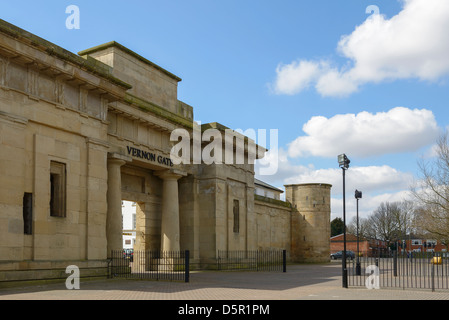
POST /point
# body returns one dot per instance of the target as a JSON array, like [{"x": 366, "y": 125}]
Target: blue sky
[{"x": 259, "y": 64}]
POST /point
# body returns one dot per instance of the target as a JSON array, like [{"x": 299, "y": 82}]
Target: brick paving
[{"x": 301, "y": 282}]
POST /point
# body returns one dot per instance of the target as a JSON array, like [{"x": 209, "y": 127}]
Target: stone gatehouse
[{"x": 79, "y": 133}]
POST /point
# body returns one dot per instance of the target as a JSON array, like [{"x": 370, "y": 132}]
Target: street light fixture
[
  {"x": 343, "y": 162},
  {"x": 358, "y": 270}
]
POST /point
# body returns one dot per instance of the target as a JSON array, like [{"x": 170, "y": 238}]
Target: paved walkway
[{"x": 301, "y": 282}]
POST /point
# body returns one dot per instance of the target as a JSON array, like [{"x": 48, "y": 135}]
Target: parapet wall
[{"x": 273, "y": 219}]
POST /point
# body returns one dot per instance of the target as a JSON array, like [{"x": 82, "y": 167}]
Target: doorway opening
[{"x": 129, "y": 213}]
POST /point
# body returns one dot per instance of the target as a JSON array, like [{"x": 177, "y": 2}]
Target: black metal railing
[
  {"x": 419, "y": 270},
  {"x": 254, "y": 260},
  {"x": 150, "y": 265}
]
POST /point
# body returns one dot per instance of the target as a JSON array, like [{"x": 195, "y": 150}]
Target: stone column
[
  {"x": 114, "y": 223},
  {"x": 170, "y": 209}
]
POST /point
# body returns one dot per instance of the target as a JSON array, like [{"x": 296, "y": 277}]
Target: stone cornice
[
  {"x": 150, "y": 107},
  {"x": 88, "y": 64}
]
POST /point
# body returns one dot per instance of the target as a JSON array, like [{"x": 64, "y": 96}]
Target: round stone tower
[{"x": 310, "y": 240}]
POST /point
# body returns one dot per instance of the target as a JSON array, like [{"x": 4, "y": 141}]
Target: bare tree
[
  {"x": 406, "y": 218},
  {"x": 364, "y": 227},
  {"x": 432, "y": 192},
  {"x": 385, "y": 222}
]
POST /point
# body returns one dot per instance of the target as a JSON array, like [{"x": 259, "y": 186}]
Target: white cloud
[
  {"x": 378, "y": 184},
  {"x": 285, "y": 168},
  {"x": 294, "y": 77},
  {"x": 412, "y": 44},
  {"x": 366, "y": 134},
  {"x": 335, "y": 83},
  {"x": 370, "y": 179},
  {"x": 367, "y": 204}
]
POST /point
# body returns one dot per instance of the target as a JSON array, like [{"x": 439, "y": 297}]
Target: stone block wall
[
  {"x": 310, "y": 221},
  {"x": 273, "y": 219}
]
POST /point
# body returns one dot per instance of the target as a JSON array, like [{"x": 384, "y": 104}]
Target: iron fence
[
  {"x": 150, "y": 265},
  {"x": 418, "y": 270},
  {"x": 254, "y": 260},
  {"x": 175, "y": 265}
]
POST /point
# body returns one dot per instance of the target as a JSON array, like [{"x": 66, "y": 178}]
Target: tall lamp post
[
  {"x": 343, "y": 162},
  {"x": 358, "y": 270}
]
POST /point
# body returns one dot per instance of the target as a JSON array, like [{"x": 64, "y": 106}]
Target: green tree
[{"x": 337, "y": 227}]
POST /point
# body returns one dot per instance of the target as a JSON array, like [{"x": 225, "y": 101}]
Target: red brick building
[
  {"x": 421, "y": 245},
  {"x": 372, "y": 247},
  {"x": 367, "y": 247}
]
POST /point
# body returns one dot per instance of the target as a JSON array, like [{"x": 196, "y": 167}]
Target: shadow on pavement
[{"x": 296, "y": 276}]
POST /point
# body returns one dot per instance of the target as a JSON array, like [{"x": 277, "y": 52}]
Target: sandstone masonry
[{"x": 80, "y": 133}]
